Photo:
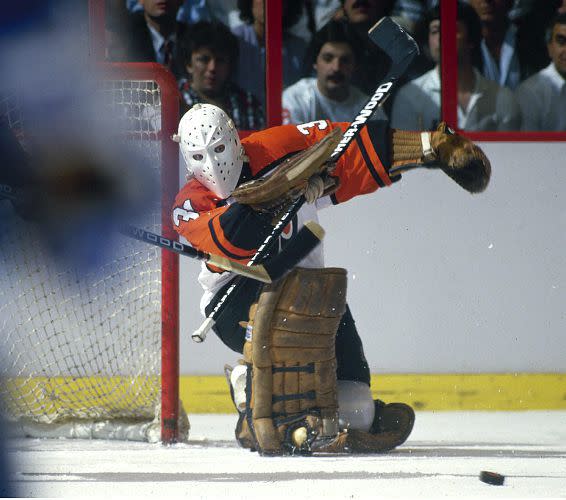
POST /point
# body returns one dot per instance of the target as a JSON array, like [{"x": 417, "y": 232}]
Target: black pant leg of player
[
  {"x": 350, "y": 357},
  {"x": 228, "y": 328}
]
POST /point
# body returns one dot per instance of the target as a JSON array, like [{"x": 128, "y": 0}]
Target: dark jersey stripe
[
  {"x": 379, "y": 134},
  {"x": 369, "y": 163},
  {"x": 245, "y": 228},
  {"x": 224, "y": 250}
]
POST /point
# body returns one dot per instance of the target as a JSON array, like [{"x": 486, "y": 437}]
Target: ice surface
[{"x": 442, "y": 458}]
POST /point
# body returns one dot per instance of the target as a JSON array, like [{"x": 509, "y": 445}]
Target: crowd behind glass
[{"x": 511, "y": 58}]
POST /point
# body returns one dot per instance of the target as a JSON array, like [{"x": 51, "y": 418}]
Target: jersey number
[
  {"x": 186, "y": 213},
  {"x": 304, "y": 127}
]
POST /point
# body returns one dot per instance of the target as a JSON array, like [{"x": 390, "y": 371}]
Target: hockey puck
[{"x": 492, "y": 478}]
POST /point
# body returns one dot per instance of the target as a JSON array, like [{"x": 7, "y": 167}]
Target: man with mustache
[{"x": 330, "y": 95}]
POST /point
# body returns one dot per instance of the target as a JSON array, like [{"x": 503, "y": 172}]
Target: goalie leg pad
[{"x": 292, "y": 358}]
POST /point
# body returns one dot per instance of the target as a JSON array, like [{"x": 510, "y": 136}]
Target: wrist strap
[{"x": 428, "y": 152}]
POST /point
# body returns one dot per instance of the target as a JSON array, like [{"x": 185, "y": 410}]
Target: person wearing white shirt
[
  {"x": 542, "y": 97},
  {"x": 498, "y": 45},
  {"x": 329, "y": 96},
  {"x": 511, "y": 50},
  {"x": 482, "y": 103}
]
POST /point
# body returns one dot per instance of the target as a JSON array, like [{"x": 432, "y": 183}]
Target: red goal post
[
  {"x": 170, "y": 109},
  {"x": 169, "y": 103}
]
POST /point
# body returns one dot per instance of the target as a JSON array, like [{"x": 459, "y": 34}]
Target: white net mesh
[{"x": 76, "y": 346}]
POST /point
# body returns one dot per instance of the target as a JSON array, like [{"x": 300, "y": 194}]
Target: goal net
[{"x": 95, "y": 354}]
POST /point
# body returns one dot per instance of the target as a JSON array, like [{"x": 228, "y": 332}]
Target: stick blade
[{"x": 399, "y": 46}]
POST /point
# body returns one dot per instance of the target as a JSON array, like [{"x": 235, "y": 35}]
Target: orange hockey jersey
[{"x": 236, "y": 231}]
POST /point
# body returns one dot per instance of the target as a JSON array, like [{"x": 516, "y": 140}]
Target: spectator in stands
[
  {"x": 510, "y": 51},
  {"x": 329, "y": 96},
  {"x": 305, "y": 26},
  {"x": 210, "y": 56},
  {"x": 251, "y": 67},
  {"x": 363, "y": 14},
  {"x": 153, "y": 33},
  {"x": 546, "y": 9},
  {"x": 373, "y": 63},
  {"x": 482, "y": 104},
  {"x": 542, "y": 97},
  {"x": 410, "y": 13},
  {"x": 406, "y": 12},
  {"x": 193, "y": 11}
]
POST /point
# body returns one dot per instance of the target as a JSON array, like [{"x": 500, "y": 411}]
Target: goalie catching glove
[
  {"x": 302, "y": 174},
  {"x": 460, "y": 159},
  {"x": 456, "y": 156}
]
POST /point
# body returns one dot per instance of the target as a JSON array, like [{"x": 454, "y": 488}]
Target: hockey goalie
[{"x": 304, "y": 383}]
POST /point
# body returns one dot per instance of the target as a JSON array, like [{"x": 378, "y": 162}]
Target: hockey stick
[
  {"x": 299, "y": 246},
  {"x": 200, "y": 333},
  {"x": 400, "y": 47}
]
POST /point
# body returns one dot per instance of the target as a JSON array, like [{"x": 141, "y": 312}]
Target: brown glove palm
[{"x": 460, "y": 159}]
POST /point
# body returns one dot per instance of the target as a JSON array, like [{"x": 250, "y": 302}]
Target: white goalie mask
[{"x": 211, "y": 148}]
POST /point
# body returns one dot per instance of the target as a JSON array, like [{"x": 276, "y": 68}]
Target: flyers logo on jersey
[{"x": 288, "y": 231}]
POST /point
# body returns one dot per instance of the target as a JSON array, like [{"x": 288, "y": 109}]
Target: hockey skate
[
  {"x": 392, "y": 423},
  {"x": 391, "y": 427}
]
